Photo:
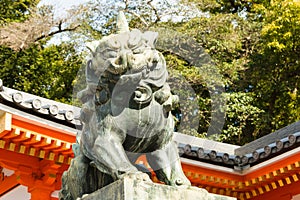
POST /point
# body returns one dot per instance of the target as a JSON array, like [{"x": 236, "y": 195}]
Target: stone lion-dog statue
[{"x": 126, "y": 112}]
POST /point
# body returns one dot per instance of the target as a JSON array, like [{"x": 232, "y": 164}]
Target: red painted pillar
[{"x": 40, "y": 191}]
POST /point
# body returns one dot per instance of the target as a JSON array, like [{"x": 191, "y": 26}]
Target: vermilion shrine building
[{"x": 36, "y": 137}]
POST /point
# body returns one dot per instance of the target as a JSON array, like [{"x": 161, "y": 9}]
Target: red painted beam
[
  {"x": 12, "y": 160},
  {"x": 210, "y": 172},
  {"x": 283, "y": 193}
]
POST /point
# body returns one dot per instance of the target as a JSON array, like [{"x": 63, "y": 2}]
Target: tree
[
  {"x": 15, "y": 11},
  {"x": 274, "y": 71},
  {"x": 27, "y": 62},
  {"x": 230, "y": 40},
  {"x": 40, "y": 23},
  {"x": 255, "y": 44},
  {"x": 227, "y": 38},
  {"x": 47, "y": 72}
]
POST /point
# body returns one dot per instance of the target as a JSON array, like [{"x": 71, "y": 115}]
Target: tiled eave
[
  {"x": 242, "y": 162},
  {"x": 41, "y": 107}
]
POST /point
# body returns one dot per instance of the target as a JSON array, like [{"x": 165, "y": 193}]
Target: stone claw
[{"x": 139, "y": 176}]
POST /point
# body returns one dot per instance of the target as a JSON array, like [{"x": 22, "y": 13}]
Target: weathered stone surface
[
  {"x": 126, "y": 113},
  {"x": 131, "y": 189}
]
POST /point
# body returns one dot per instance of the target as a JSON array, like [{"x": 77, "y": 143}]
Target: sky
[{"x": 60, "y": 6}]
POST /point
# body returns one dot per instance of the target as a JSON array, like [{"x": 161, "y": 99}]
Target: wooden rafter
[{"x": 34, "y": 139}]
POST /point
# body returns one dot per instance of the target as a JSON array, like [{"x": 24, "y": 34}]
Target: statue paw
[{"x": 139, "y": 176}]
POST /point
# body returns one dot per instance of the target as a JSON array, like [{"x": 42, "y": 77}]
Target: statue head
[{"x": 127, "y": 51}]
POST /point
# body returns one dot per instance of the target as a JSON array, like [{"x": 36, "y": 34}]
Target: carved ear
[
  {"x": 150, "y": 38},
  {"x": 92, "y": 46}
]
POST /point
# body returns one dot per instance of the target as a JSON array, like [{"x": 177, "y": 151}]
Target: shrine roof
[
  {"x": 253, "y": 153},
  {"x": 196, "y": 149},
  {"x": 41, "y": 107}
]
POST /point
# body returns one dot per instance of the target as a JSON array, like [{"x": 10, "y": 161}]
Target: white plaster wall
[
  {"x": 296, "y": 197},
  {"x": 19, "y": 193}
]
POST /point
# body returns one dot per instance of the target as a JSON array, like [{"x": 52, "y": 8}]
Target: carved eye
[
  {"x": 114, "y": 43},
  {"x": 109, "y": 53}
]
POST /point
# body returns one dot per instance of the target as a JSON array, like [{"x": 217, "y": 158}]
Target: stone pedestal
[{"x": 129, "y": 189}]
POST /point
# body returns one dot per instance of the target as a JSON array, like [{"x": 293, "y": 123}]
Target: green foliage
[
  {"x": 228, "y": 39},
  {"x": 255, "y": 45},
  {"x": 230, "y": 6},
  {"x": 281, "y": 27},
  {"x": 188, "y": 83},
  {"x": 243, "y": 118},
  {"x": 274, "y": 71},
  {"x": 44, "y": 71},
  {"x": 15, "y": 11}
]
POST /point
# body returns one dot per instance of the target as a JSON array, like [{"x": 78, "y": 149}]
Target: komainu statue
[{"x": 126, "y": 113}]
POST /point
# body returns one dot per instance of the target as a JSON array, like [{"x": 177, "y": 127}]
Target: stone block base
[{"x": 130, "y": 189}]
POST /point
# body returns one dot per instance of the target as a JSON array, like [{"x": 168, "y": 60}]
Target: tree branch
[
  {"x": 60, "y": 30},
  {"x": 155, "y": 11},
  {"x": 134, "y": 13},
  {"x": 19, "y": 35}
]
